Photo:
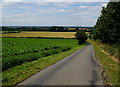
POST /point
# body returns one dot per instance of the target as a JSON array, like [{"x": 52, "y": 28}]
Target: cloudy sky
[{"x": 17, "y": 13}]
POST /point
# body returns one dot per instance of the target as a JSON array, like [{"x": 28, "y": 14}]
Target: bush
[{"x": 81, "y": 36}]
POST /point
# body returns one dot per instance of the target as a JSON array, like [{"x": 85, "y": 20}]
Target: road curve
[{"x": 80, "y": 68}]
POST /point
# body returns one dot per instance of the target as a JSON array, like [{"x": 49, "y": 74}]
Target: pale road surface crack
[{"x": 80, "y": 68}]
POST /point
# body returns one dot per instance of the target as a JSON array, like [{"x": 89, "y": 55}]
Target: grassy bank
[
  {"x": 111, "y": 50},
  {"x": 109, "y": 65},
  {"x": 22, "y": 72}
]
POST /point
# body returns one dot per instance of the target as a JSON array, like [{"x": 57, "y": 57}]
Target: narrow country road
[{"x": 80, "y": 68}]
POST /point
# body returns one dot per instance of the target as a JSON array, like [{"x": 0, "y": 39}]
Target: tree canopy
[
  {"x": 81, "y": 36},
  {"x": 107, "y": 28}
]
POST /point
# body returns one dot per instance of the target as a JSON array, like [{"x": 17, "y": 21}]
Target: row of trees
[
  {"x": 25, "y": 28},
  {"x": 107, "y": 28},
  {"x": 52, "y": 28}
]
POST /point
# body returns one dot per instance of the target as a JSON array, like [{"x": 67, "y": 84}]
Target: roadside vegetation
[
  {"x": 107, "y": 26},
  {"x": 105, "y": 38},
  {"x": 109, "y": 63}
]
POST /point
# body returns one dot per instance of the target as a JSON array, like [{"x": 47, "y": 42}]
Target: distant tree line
[
  {"x": 4, "y": 32},
  {"x": 107, "y": 28},
  {"x": 52, "y": 28}
]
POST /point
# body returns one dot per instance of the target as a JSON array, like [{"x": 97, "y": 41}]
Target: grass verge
[
  {"x": 109, "y": 65},
  {"x": 21, "y": 72}
]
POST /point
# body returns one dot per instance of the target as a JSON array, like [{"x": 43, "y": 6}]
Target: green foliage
[
  {"x": 17, "y": 51},
  {"x": 111, "y": 49},
  {"x": 57, "y": 28},
  {"x": 81, "y": 36},
  {"x": 5, "y": 32},
  {"x": 45, "y": 28},
  {"x": 20, "y": 59},
  {"x": 111, "y": 68},
  {"x": 19, "y": 73},
  {"x": 89, "y": 36},
  {"x": 108, "y": 24}
]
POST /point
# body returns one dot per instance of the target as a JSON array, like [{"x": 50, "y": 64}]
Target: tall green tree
[
  {"x": 81, "y": 36},
  {"x": 107, "y": 28}
]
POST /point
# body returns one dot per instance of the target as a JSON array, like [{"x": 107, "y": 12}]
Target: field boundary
[{"x": 41, "y": 37}]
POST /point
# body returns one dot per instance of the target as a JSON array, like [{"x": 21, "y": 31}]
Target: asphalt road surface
[{"x": 80, "y": 68}]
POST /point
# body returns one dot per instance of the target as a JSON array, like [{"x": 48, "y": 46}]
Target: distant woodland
[{"x": 50, "y": 28}]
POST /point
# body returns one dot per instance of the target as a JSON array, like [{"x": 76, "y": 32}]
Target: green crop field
[
  {"x": 22, "y": 57},
  {"x": 17, "y": 51}
]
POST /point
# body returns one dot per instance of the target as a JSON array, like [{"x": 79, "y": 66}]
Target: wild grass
[
  {"x": 110, "y": 66},
  {"x": 112, "y": 50}
]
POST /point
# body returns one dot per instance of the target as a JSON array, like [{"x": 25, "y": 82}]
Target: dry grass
[
  {"x": 110, "y": 66},
  {"x": 41, "y": 34}
]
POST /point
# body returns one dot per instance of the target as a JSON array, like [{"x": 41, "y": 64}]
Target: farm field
[
  {"x": 23, "y": 50},
  {"x": 20, "y": 55},
  {"x": 41, "y": 34}
]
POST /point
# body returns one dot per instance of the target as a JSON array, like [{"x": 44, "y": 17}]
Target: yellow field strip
[{"x": 41, "y": 34}]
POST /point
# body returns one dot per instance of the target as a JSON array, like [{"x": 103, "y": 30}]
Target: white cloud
[
  {"x": 55, "y": 1},
  {"x": 63, "y": 4},
  {"x": 9, "y": 4},
  {"x": 12, "y": 0},
  {"x": 50, "y": 11},
  {"x": 50, "y": 14},
  {"x": 104, "y": 5},
  {"x": 94, "y": 0},
  {"x": 61, "y": 10},
  {"x": 40, "y": 3},
  {"x": 81, "y": 7},
  {"x": 0, "y": 5},
  {"x": 90, "y": 12}
]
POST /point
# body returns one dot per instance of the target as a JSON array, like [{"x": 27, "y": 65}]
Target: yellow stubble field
[{"x": 41, "y": 34}]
